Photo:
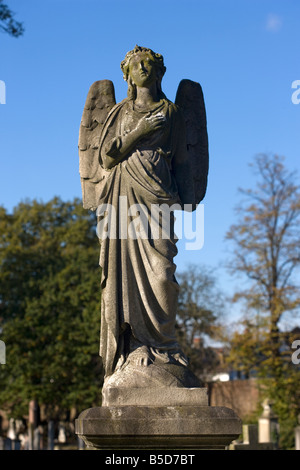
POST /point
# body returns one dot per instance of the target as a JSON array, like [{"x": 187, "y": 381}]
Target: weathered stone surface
[
  {"x": 154, "y": 375},
  {"x": 144, "y": 154},
  {"x": 165, "y": 396},
  {"x": 169, "y": 427}
]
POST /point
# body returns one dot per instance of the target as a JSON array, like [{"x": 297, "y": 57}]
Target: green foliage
[
  {"x": 247, "y": 346},
  {"x": 7, "y": 22},
  {"x": 49, "y": 306}
]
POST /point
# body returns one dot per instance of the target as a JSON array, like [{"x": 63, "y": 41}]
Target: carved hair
[{"x": 159, "y": 67}]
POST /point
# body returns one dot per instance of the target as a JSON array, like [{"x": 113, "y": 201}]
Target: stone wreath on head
[{"x": 159, "y": 67}]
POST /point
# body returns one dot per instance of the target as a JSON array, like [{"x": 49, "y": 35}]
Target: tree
[
  {"x": 7, "y": 22},
  {"x": 247, "y": 341},
  {"x": 266, "y": 244},
  {"x": 49, "y": 307},
  {"x": 266, "y": 252},
  {"x": 200, "y": 306}
]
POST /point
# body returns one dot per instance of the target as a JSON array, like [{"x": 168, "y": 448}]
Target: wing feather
[
  {"x": 99, "y": 101},
  {"x": 190, "y": 99}
]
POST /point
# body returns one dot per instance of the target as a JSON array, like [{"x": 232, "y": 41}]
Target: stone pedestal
[
  {"x": 297, "y": 435},
  {"x": 250, "y": 440},
  {"x": 297, "y": 438},
  {"x": 166, "y": 396},
  {"x": 268, "y": 427},
  {"x": 172, "y": 419}
]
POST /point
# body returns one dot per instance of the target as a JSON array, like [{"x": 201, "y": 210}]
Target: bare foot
[{"x": 140, "y": 356}]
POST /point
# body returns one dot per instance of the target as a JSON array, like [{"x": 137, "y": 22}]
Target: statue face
[{"x": 142, "y": 69}]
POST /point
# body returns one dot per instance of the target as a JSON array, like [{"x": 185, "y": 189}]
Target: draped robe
[{"x": 139, "y": 288}]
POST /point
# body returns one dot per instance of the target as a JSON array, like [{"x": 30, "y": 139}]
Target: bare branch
[{"x": 7, "y": 22}]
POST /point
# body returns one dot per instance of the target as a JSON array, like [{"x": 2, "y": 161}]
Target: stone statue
[{"x": 142, "y": 153}]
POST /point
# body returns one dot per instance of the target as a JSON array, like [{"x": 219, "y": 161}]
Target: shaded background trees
[{"x": 49, "y": 306}]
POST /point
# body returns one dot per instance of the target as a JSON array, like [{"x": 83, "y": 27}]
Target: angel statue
[{"x": 145, "y": 152}]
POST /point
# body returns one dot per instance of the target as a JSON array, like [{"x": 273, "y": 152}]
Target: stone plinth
[
  {"x": 166, "y": 396},
  {"x": 297, "y": 438},
  {"x": 158, "y": 427}
]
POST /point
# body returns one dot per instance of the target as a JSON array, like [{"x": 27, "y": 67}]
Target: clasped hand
[{"x": 149, "y": 124}]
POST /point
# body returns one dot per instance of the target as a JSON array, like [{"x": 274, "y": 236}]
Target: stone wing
[
  {"x": 100, "y": 100},
  {"x": 190, "y": 100}
]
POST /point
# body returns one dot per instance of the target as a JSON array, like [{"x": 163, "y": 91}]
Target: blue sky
[{"x": 245, "y": 54}]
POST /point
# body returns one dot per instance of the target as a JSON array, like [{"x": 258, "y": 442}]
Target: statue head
[{"x": 156, "y": 58}]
